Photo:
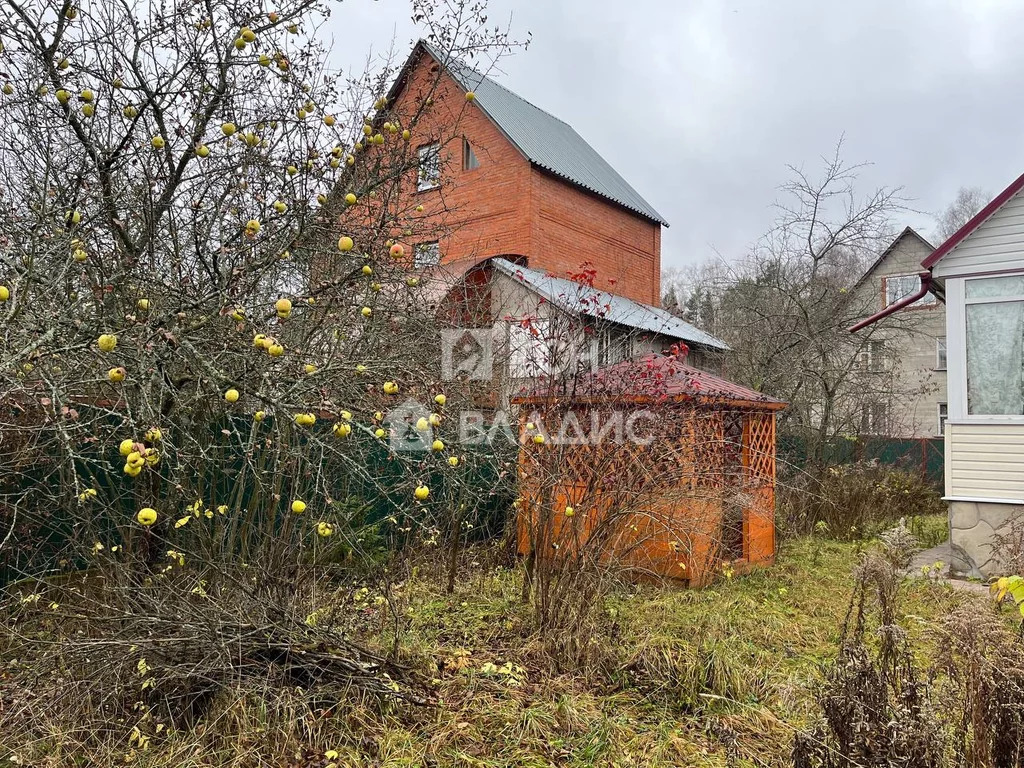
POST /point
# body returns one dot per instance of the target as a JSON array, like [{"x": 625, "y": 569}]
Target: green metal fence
[{"x": 924, "y": 456}]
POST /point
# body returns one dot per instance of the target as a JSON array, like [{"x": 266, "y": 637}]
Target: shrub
[{"x": 853, "y": 501}]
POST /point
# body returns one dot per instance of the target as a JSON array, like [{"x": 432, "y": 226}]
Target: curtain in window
[{"x": 995, "y": 358}]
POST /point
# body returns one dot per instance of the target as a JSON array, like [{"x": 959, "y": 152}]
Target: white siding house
[{"x": 981, "y": 270}]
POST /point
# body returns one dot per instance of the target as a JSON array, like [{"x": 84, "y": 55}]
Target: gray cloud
[{"x": 701, "y": 104}]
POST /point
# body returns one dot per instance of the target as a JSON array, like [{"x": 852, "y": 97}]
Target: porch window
[
  {"x": 995, "y": 345},
  {"x": 531, "y": 352},
  {"x": 940, "y": 353}
]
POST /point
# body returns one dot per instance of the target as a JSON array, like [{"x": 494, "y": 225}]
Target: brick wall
[{"x": 507, "y": 206}]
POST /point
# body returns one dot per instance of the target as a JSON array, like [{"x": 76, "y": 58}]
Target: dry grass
[{"x": 715, "y": 677}]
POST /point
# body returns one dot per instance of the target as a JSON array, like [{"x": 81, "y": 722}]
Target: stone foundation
[{"x": 972, "y": 525}]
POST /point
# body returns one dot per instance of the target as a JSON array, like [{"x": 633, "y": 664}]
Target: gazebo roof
[{"x": 655, "y": 378}]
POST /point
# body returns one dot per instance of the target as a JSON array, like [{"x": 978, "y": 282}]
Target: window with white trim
[
  {"x": 940, "y": 353},
  {"x": 994, "y": 314},
  {"x": 429, "y": 175},
  {"x": 897, "y": 287},
  {"x": 943, "y": 415},
  {"x": 871, "y": 357},
  {"x": 426, "y": 255},
  {"x": 531, "y": 352}
]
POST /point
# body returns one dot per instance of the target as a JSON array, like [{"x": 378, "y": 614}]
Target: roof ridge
[{"x": 449, "y": 60}]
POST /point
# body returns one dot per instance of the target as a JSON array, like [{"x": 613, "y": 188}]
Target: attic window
[
  {"x": 469, "y": 161},
  {"x": 429, "y": 167}
]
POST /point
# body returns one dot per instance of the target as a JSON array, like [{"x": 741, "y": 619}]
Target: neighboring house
[
  {"x": 536, "y": 324},
  {"x": 913, "y": 401},
  {"x": 519, "y": 180},
  {"x": 979, "y": 271}
]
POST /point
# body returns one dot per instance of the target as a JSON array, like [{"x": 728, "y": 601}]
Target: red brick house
[{"x": 520, "y": 181}]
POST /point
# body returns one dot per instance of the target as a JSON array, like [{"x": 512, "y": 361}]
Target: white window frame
[
  {"x": 956, "y": 351},
  {"x": 942, "y": 417},
  {"x": 428, "y": 168},
  {"x": 869, "y": 411},
  {"x": 432, "y": 247},
  {"x": 871, "y": 357},
  {"x": 941, "y": 354},
  {"x": 529, "y": 355},
  {"x": 927, "y": 300}
]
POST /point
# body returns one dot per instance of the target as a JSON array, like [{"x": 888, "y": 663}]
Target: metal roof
[
  {"x": 546, "y": 141},
  {"x": 657, "y": 378},
  {"x": 575, "y": 297}
]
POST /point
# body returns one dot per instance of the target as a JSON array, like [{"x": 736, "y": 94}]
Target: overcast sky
[{"x": 701, "y": 104}]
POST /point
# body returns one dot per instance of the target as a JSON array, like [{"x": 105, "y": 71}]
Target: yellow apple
[
  {"x": 247, "y": 34},
  {"x": 146, "y": 516},
  {"x": 378, "y": 415},
  {"x": 293, "y": 28},
  {"x": 406, "y": 134},
  {"x": 440, "y": 399},
  {"x": 154, "y": 435},
  {"x": 342, "y": 430},
  {"x": 143, "y": 305},
  {"x": 366, "y": 311},
  {"x": 422, "y": 424},
  {"x": 106, "y": 342},
  {"x": 322, "y": 199},
  {"x": 130, "y": 111},
  {"x": 252, "y": 227},
  {"x": 360, "y": 368},
  {"x": 470, "y": 96},
  {"x": 239, "y": 43},
  {"x": 419, "y": 209},
  {"x": 5, "y": 293},
  {"x": 79, "y": 255},
  {"x": 157, "y": 142},
  {"x": 329, "y": 120},
  {"x": 280, "y": 206},
  {"x": 435, "y": 419},
  {"x": 351, "y": 199},
  {"x": 118, "y": 82},
  {"x": 397, "y": 251},
  {"x": 569, "y": 511},
  {"x": 350, "y": 160},
  {"x": 421, "y": 492},
  {"x": 345, "y": 243},
  {"x": 203, "y": 151},
  {"x": 273, "y": 17},
  {"x": 453, "y": 461},
  {"x": 291, "y": 170},
  {"x": 259, "y": 416},
  {"x": 71, "y": 13},
  {"x": 275, "y": 350},
  {"x": 309, "y": 368},
  {"x": 298, "y": 506},
  {"x": 88, "y": 110},
  {"x": 367, "y": 130},
  {"x": 228, "y": 129},
  {"x": 367, "y": 269},
  {"x": 378, "y": 432},
  {"x": 73, "y": 217},
  {"x": 126, "y": 447},
  {"x": 63, "y": 96},
  {"x": 390, "y": 388},
  {"x": 87, "y": 95},
  {"x": 283, "y": 307},
  {"x": 538, "y": 439},
  {"x": 116, "y": 374},
  {"x": 231, "y": 395},
  {"x": 437, "y": 445},
  {"x": 264, "y": 60},
  {"x": 324, "y": 529},
  {"x": 301, "y": 114}
]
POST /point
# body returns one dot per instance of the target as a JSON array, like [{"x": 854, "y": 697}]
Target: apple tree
[{"x": 204, "y": 320}]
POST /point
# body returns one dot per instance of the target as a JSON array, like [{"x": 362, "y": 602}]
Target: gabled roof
[
  {"x": 658, "y": 378},
  {"x": 907, "y": 232},
  {"x": 574, "y": 297},
  {"x": 976, "y": 221},
  {"x": 542, "y": 138}
]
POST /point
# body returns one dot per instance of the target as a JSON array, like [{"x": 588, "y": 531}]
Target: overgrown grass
[{"x": 715, "y": 677}]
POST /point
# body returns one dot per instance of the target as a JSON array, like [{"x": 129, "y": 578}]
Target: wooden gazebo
[{"x": 651, "y": 465}]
